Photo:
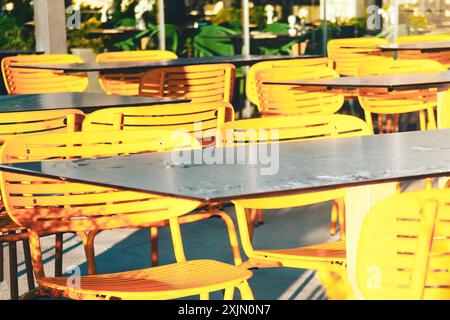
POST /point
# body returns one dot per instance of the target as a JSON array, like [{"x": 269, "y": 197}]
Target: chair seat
[
  {"x": 165, "y": 282},
  {"x": 332, "y": 251},
  {"x": 8, "y": 225}
]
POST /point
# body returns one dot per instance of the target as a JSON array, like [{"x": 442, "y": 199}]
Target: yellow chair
[
  {"x": 274, "y": 99},
  {"x": 348, "y": 54},
  {"x": 199, "y": 83},
  {"x": 440, "y": 37},
  {"x": 201, "y": 120},
  {"x": 251, "y": 83},
  {"x": 444, "y": 114},
  {"x": 403, "y": 248},
  {"x": 382, "y": 102},
  {"x": 31, "y": 81},
  {"x": 127, "y": 84},
  {"x": 53, "y": 206},
  {"x": 326, "y": 257},
  {"x": 22, "y": 123}
]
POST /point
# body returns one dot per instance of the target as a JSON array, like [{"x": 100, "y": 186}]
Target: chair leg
[
  {"x": 341, "y": 215},
  {"x": 260, "y": 215},
  {"x": 2, "y": 263},
  {"x": 334, "y": 218},
  {"x": 58, "y": 254},
  {"x": 154, "y": 246},
  {"x": 14, "y": 281},
  {"x": 28, "y": 264},
  {"x": 89, "y": 250},
  {"x": 232, "y": 236},
  {"x": 228, "y": 294},
  {"x": 246, "y": 291}
]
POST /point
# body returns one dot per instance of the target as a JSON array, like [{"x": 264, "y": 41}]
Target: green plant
[
  {"x": 227, "y": 15},
  {"x": 14, "y": 36},
  {"x": 79, "y": 38}
]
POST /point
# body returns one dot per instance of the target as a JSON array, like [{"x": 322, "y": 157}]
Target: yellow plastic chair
[
  {"x": 251, "y": 83},
  {"x": 202, "y": 120},
  {"x": 348, "y": 54},
  {"x": 22, "y": 123},
  {"x": 444, "y": 114},
  {"x": 327, "y": 257},
  {"x": 127, "y": 84},
  {"x": 403, "y": 248},
  {"x": 53, "y": 206},
  {"x": 199, "y": 83},
  {"x": 440, "y": 37},
  {"x": 33, "y": 81},
  {"x": 275, "y": 99},
  {"x": 381, "y": 102}
]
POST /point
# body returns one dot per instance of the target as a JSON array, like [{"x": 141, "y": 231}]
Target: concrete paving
[{"x": 121, "y": 250}]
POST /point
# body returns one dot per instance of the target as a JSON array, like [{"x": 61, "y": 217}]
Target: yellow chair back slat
[
  {"x": 199, "y": 83},
  {"x": 34, "y": 81},
  {"x": 201, "y": 120},
  {"x": 349, "y": 54},
  {"x": 283, "y": 99},
  {"x": 18, "y": 123},
  {"x": 127, "y": 84},
  {"x": 424, "y": 38},
  {"x": 444, "y": 112},
  {"x": 288, "y": 129},
  {"x": 379, "y": 101},
  {"x": 292, "y": 128},
  {"x": 404, "y": 247},
  {"x": 251, "y": 83},
  {"x": 51, "y": 205}
]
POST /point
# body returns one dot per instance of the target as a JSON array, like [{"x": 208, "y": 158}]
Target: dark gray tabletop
[
  {"x": 76, "y": 100},
  {"x": 421, "y": 46},
  {"x": 303, "y": 166},
  {"x": 139, "y": 66},
  {"x": 390, "y": 82}
]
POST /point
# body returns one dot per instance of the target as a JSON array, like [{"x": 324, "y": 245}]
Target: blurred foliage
[
  {"x": 227, "y": 15},
  {"x": 419, "y": 21},
  {"x": 79, "y": 38},
  {"x": 22, "y": 10},
  {"x": 14, "y": 36}
]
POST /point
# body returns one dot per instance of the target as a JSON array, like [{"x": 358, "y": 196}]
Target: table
[
  {"x": 419, "y": 46},
  {"x": 140, "y": 66},
  {"x": 76, "y": 100},
  {"x": 367, "y": 166},
  {"x": 390, "y": 82},
  {"x": 10, "y": 53}
]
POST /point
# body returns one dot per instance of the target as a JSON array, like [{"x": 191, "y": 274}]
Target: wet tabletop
[
  {"x": 300, "y": 166},
  {"x": 422, "y": 46},
  {"x": 76, "y": 100},
  {"x": 390, "y": 82},
  {"x": 136, "y": 66}
]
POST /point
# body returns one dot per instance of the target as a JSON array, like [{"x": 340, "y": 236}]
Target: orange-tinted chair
[
  {"x": 12, "y": 125},
  {"x": 53, "y": 206},
  {"x": 296, "y": 128},
  {"x": 31, "y": 81},
  {"x": 199, "y": 83},
  {"x": 327, "y": 258},
  {"x": 127, "y": 84},
  {"x": 275, "y": 99},
  {"x": 381, "y": 102},
  {"x": 349, "y": 53},
  {"x": 403, "y": 248},
  {"x": 201, "y": 120},
  {"x": 251, "y": 82}
]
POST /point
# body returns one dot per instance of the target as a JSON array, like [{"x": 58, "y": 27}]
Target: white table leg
[{"x": 358, "y": 202}]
